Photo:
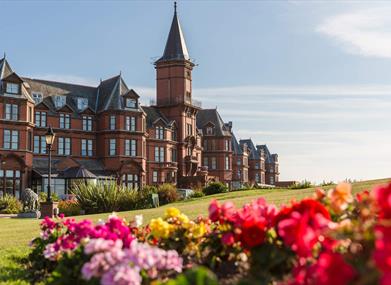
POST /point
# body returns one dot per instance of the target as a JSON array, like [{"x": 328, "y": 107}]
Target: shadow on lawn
[{"x": 14, "y": 270}]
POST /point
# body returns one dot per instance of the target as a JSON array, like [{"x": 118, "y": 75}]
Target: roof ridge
[{"x": 61, "y": 82}]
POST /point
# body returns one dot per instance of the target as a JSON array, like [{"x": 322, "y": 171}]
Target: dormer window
[
  {"x": 130, "y": 103},
  {"x": 12, "y": 88},
  {"x": 209, "y": 131},
  {"x": 37, "y": 97},
  {"x": 59, "y": 101},
  {"x": 82, "y": 103}
]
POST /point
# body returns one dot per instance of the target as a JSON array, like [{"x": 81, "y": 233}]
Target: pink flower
[
  {"x": 382, "y": 252},
  {"x": 228, "y": 239}
]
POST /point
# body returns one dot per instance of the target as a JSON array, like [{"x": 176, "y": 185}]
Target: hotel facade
[{"x": 103, "y": 132}]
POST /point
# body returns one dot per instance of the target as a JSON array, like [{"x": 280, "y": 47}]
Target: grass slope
[{"x": 15, "y": 234}]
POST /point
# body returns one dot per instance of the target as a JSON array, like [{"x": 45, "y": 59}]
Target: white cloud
[{"x": 364, "y": 32}]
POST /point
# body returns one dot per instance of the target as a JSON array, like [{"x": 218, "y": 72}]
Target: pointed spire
[{"x": 176, "y": 46}]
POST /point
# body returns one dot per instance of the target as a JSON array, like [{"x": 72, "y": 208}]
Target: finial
[
  {"x": 4, "y": 55},
  {"x": 120, "y": 72},
  {"x": 175, "y": 7}
]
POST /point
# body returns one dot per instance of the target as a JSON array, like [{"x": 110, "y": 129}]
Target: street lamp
[{"x": 50, "y": 136}]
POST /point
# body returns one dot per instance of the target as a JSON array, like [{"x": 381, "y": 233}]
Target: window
[
  {"x": 10, "y": 182},
  {"x": 37, "y": 97},
  {"x": 30, "y": 114},
  {"x": 206, "y": 162},
  {"x": 30, "y": 140},
  {"x": 40, "y": 144},
  {"x": 59, "y": 101},
  {"x": 154, "y": 176},
  {"x": 188, "y": 97},
  {"x": 11, "y": 112},
  {"x": 40, "y": 119},
  {"x": 11, "y": 139},
  {"x": 130, "y": 147},
  {"x": 214, "y": 163},
  {"x": 213, "y": 144},
  {"x": 131, "y": 180},
  {"x": 130, "y": 123},
  {"x": 227, "y": 166},
  {"x": 189, "y": 128},
  {"x": 239, "y": 162},
  {"x": 65, "y": 121},
  {"x": 159, "y": 132},
  {"x": 257, "y": 177},
  {"x": 112, "y": 147},
  {"x": 131, "y": 103},
  {"x": 173, "y": 155},
  {"x": 82, "y": 103},
  {"x": 112, "y": 122},
  {"x": 205, "y": 144},
  {"x": 64, "y": 146},
  {"x": 271, "y": 180},
  {"x": 159, "y": 154},
  {"x": 12, "y": 88},
  {"x": 86, "y": 147},
  {"x": 257, "y": 165},
  {"x": 209, "y": 131},
  {"x": 239, "y": 174},
  {"x": 174, "y": 134},
  {"x": 87, "y": 123},
  {"x": 227, "y": 145}
]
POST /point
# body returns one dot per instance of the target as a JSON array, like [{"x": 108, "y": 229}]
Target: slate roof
[
  {"x": 94, "y": 166},
  {"x": 5, "y": 68},
  {"x": 254, "y": 154},
  {"x": 268, "y": 156},
  {"x": 236, "y": 147},
  {"x": 153, "y": 114},
  {"x": 175, "y": 46},
  {"x": 212, "y": 115}
]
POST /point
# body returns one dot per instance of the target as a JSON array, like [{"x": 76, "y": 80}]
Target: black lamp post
[{"x": 50, "y": 136}]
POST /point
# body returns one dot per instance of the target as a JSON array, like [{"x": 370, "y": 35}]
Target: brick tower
[{"x": 174, "y": 99}]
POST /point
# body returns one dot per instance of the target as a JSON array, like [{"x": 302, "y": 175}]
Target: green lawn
[{"x": 15, "y": 234}]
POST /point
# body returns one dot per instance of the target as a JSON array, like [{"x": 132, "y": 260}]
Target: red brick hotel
[{"x": 102, "y": 132}]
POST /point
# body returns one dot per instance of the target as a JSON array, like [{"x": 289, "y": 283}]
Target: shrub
[
  {"x": 197, "y": 194},
  {"x": 103, "y": 197},
  {"x": 69, "y": 208},
  {"x": 302, "y": 185},
  {"x": 215, "y": 188},
  {"x": 144, "y": 199},
  {"x": 42, "y": 196},
  {"x": 10, "y": 205},
  {"x": 167, "y": 194}
]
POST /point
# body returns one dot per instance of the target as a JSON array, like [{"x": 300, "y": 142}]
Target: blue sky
[{"x": 310, "y": 79}]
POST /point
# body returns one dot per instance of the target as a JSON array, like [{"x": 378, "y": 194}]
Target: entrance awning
[{"x": 77, "y": 172}]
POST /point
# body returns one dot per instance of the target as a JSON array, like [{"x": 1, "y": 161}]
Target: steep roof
[
  {"x": 236, "y": 147},
  {"x": 212, "y": 115},
  {"x": 268, "y": 156},
  {"x": 254, "y": 154},
  {"x": 175, "y": 46},
  {"x": 5, "y": 68}
]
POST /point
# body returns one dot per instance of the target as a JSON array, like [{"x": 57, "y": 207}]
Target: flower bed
[{"x": 331, "y": 238}]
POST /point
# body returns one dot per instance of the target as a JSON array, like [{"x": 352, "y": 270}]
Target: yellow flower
[
  {"x": 160, "y": 228},
  {"x": 172, "y": 212},
  {"x": 183, "y": 218},
  {"x": 199, "y": 230},
  {"x": 340, "y": 197}
]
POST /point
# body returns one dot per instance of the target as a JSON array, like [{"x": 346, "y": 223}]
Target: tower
[{"x": 174, "y": 98}]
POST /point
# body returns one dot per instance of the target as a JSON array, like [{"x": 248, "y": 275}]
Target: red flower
[
  {"x": 301, "y": 225},
  {"x": 382, "y": 195},
  {"x": 253, "y": 232},
  {"x": 331, "y": 268},
  {"x": 382, "y": 252},
  {"x": 214, "y": 211}
]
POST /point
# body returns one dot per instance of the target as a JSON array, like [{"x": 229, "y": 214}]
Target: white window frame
[
  {"x": 112, "y": 122},
  {"x": 112, "y": 147},
  {"x": 10, "y": 139},
  {"x": 12, "y": 88},
  {"x": 11, "y": 112},
  {"x": 87, "y": 123}
]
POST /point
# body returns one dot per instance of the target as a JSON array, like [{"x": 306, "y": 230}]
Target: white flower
[{"x": 138, "y": 220}]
